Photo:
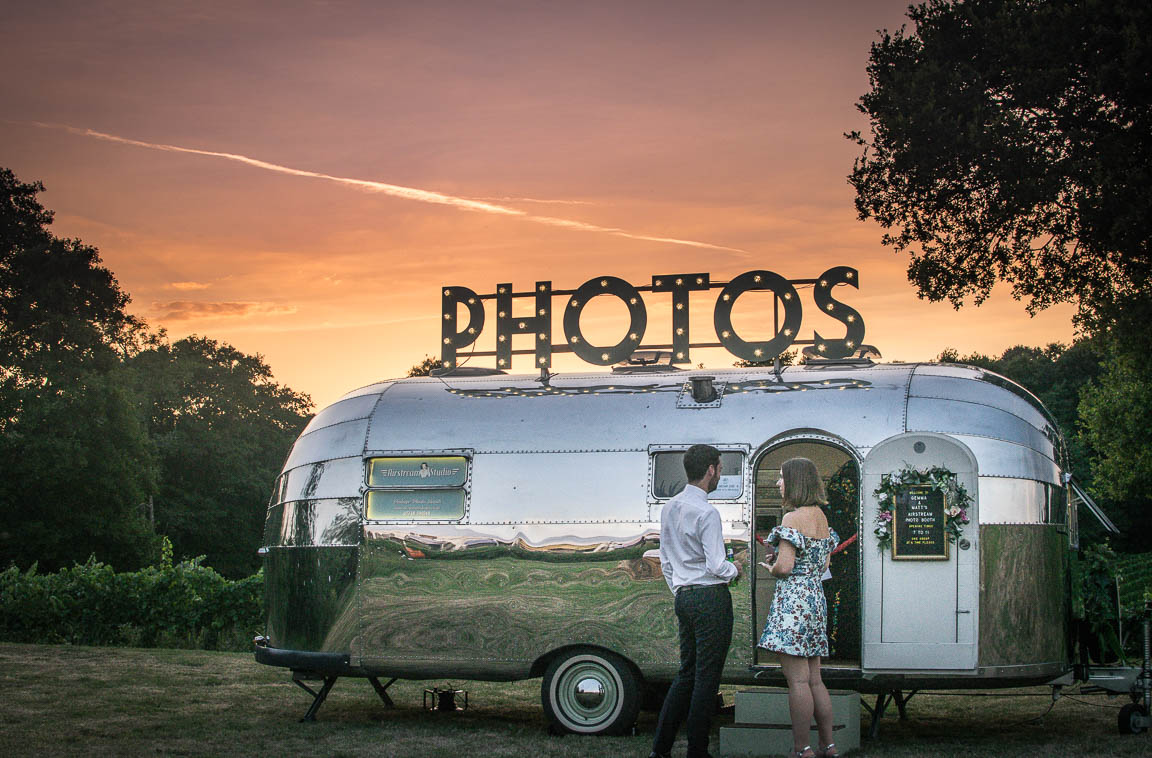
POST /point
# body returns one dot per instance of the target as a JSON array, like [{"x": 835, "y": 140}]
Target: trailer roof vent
[
  {"x": 646, "y": 362},
  {"x": 701, "y": 392},
  {"x": 866, "y": 355}
]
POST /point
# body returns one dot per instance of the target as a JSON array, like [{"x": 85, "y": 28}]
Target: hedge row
[
  {"x": 185, "y": 605},
  {"x": 1135, "y": 571}
]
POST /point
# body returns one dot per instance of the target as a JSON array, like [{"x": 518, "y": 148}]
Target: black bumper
[{"x": 329, "y": 664}]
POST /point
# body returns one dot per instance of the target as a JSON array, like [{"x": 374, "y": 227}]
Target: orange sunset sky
[{"x": 300, "y": 179}]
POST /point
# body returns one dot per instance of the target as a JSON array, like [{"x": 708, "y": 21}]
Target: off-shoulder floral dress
[{"x": 798, "y": 619}]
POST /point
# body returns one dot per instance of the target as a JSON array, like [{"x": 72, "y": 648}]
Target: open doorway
[{"x": 841, "y": 474}]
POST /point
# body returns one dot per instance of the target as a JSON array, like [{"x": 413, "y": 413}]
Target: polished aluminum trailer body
[{"x": 555, "y": 547}]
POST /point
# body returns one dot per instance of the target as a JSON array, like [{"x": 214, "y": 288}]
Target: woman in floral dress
[{"x": 797, "y": 627}]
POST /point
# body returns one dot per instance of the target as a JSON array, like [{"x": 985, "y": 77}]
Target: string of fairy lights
[{"x": 547, "y": 389}]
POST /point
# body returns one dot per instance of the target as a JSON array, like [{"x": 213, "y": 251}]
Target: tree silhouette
[
  {"x": 1012, "y": 141},
  {"x": 75, "y": 458}
]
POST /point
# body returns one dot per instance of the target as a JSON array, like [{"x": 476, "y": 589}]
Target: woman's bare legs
[
  {"x": 821, "y": 701},
  {"x": 798, "y": 674}
]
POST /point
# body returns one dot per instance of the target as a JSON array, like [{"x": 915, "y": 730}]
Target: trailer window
[{"x": 668, "y": 476}]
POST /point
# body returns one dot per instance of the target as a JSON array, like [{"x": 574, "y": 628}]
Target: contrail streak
[
  {"x": 394, "y": 190},
  {"x": 533, "y": 200}
]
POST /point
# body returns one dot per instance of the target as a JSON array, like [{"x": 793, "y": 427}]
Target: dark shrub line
[{"x": 184, "y": 605}]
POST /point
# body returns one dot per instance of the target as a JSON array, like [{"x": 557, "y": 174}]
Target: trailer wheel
[
  {"x": 1131, "y": 719},
  {"x": 587, "y": 691}
]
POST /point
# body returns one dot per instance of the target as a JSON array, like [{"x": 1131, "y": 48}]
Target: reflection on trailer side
[{"x": 497, "y": 527}]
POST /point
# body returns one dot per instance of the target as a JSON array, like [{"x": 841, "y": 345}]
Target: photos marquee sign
[{"x": 537, "y": 326}]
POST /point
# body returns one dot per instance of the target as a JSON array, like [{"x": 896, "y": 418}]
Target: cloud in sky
[
  {"x": 188, "y": 286},
  {"x": 394, "y": 190},
  {"x": 186, "y": 310}
]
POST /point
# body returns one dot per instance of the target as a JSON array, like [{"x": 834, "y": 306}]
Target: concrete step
[{"x": 764, "y": 728}]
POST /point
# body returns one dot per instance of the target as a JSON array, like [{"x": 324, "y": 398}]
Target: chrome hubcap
[{"x": 587, "y": 694}]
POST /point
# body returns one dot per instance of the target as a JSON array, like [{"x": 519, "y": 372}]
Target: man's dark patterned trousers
[{"x": 704, "y": 614}]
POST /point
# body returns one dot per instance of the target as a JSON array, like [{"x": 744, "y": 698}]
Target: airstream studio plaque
[
  {"x": 423, "y": 505},
  {"x": 436, "y": 471},
  {"x": 918, "y": 524},
  {"x": 420, "y": 488},
  {"x": 535, "y": 326}
]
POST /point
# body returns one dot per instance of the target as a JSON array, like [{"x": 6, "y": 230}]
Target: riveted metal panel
[
  {"x": 1008, "y": 459},
  {"x": 305, "y": 523},
  {"x": 1012, "y": 501},
  {"x": 338, "y": 441},
  {"x": 345, "y": 409},
  {"x": 341, "y": 477},
  {"x": 582, "y": 486},
  {"x": 310, "y": 597},
  {"x": 974, "y": 419},
  {"x": 1024, "y": 594},
  {"x": 979, "y": 390},
  {"x": 378, "y": 388}
]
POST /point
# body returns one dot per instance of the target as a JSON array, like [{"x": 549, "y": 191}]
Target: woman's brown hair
[{"x": 802, "y": 484}]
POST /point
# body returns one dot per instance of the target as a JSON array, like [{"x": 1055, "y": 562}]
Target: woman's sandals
[{"x": 828, "y": 751}]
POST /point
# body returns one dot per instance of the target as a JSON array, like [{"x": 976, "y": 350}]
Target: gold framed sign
[{"x": 919, "y": 519}]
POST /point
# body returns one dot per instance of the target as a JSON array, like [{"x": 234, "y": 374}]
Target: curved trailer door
[{"x": 919, "y": 613}]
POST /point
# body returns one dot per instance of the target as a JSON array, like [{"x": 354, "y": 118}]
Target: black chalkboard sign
[{"x": 918, "y": 524}]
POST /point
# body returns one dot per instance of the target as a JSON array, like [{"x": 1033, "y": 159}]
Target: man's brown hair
[{"x": 697, "y": 460}]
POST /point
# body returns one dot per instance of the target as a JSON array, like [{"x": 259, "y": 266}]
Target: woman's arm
[
  {"x": 785, "y": 559},
  {"x": 785, "y": 551}
]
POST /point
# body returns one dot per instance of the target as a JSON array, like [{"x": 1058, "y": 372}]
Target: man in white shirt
[{"x": 693, "y": 560}]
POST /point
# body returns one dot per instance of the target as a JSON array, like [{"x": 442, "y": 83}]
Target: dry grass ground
[{"x": 111, "y": 701}]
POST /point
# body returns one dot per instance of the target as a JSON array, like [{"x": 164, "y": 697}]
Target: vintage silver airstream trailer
[{"x": 504, "y": 527}]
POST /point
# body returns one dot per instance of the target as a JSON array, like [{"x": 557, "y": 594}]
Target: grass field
[{"x": 61, "y": 700}]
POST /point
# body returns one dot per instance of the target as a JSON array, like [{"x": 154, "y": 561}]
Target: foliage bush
[
  {"x": 1095, "y": 598},
  {"x": 1135, "y": 574},
  {"x": 1109, "y": 592},
  {"x": 185, "y": 605}
]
